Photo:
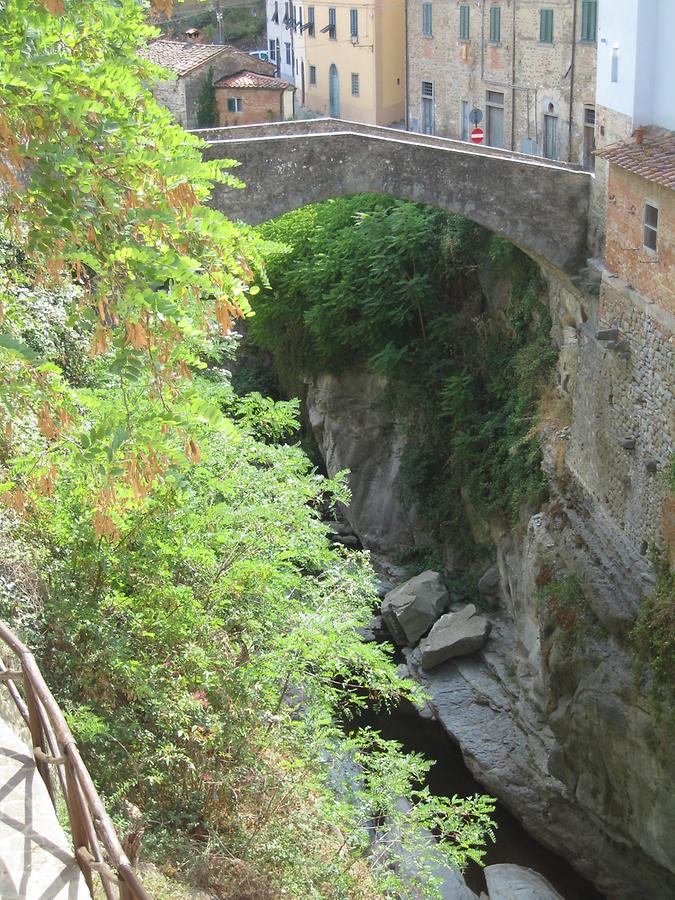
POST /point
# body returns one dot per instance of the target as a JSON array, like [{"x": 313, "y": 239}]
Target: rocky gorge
[{"x": 548, "y": 713}]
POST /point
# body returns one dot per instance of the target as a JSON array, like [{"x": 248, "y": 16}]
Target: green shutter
[
  {"x": 231, "y": 105},
  {"x": 464, "y": 22},
  {"x": 495, "y": 24},
  {"x": 546, "y": 26},
  {"x": 589, "y": 20}
]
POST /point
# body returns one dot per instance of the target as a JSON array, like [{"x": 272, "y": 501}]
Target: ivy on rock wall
[{"x": 394, "y": 286}]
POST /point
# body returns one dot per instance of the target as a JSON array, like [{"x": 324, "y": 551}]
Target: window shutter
[
  {"x": 589, "y": 20},
  {"x": 495, "y": 24},
  {"x": 546, "y": 26},
  {"x": 464, "y": 22},
  {"x": 231, "y": 105}
]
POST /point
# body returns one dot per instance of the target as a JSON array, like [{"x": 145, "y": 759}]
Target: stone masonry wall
[
  {"x": 623, "y": 433},
  {"x": 534, "y": 82}
]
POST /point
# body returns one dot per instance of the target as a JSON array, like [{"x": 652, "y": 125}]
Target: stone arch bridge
[{"x": 538, "y": 204}]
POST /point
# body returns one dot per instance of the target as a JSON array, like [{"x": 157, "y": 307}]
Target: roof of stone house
[
  {"x": 246, "y": 79},
  {"x": 182, "y": 57},
  {"x": 653, "y": 159}
]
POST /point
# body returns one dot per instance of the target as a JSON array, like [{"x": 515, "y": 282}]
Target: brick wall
[
  {"x": 650, "y": 273},
  {"x": 259, "y": 105},
  {"x": 534, "y": 81}
]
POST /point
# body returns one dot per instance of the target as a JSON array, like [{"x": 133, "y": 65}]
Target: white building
[
  {"x": 636, "y": 67},
  {"x": 286, "y": 27}
]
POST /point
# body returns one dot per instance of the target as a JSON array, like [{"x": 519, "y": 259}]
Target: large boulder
[
  {"x": 510, "y": 882},
  {"x": 455, "y": 634},
  {"x": 411, "y": 609}
]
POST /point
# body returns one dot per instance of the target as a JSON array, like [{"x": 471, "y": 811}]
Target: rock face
[
  {"x": 509, "y": 882},
  {"x": 548, "y": 713},
  {"x": 455, "y": 634},
  {"x": 355, "y": 430},
  {"x": 411, "y": 609}
]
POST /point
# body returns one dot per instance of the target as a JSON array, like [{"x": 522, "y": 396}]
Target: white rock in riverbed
[
  {"x": 455, "y": 634},
  {"x": 411, "y": 609},
  {"x": 510, "y": 882}
]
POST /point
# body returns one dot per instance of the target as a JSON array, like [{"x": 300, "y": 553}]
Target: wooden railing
[{"x": 98, "y": 849}]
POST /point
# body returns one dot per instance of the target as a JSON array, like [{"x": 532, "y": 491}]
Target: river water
[{"x": 449, "y": 775}]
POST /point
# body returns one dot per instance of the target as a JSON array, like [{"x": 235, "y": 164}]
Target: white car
[{"x": 260, "y": 54}]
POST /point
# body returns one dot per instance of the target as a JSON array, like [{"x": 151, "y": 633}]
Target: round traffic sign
[
  {"x": 475, "y": 116},
  {"x": 477, "y": 135}
]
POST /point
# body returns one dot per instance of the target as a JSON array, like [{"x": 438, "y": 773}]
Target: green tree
[
  {"x": 207, "y": 109},
  {"x": 105, "y": 194}
]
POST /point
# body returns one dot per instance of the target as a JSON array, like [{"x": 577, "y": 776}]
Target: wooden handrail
[{"x": 54, "y": 744}]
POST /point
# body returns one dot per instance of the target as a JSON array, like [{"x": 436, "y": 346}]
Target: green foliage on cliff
[
  {"x": 393, "y": 285},
  {"x": 653, "y": 635},
  {"x": 206, "y": 652},
  {"x": 191, "y": 619}
]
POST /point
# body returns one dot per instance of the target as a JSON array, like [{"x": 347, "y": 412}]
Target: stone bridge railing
[{"x": 540, "y": 205}]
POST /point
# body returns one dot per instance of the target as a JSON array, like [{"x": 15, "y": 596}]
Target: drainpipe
[
  {"x": 571, "y": 110},
  {"x": 405, "y": 75},
  {"x": 513, "y": 79},
  {"x": 482, "y": 43}
]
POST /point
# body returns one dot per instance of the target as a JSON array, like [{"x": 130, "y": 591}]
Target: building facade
[
  {"x": 247, "y": 98},
  {"x": 192, "y": 63},
  {"x": 355, "y": 60},
  {"x": 635, "y": 77},
  {"x": 527, "y": 66},
  {"x": 286, "y": 29}
]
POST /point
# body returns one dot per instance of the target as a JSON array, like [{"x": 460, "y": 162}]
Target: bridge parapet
[
  {"x": 539, "y": 205},
  {"x": 342, "y": 126}
]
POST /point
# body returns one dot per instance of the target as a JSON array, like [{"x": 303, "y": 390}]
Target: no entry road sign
[{"x": 477, "y": 135}]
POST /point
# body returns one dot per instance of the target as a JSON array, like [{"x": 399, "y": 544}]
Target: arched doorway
[{"x": 334, "y": 92}]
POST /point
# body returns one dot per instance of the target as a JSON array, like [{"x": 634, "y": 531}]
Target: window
[
  {"x": 312, "y": 74},
  {"x": 300, "y": 17},
  {"x": 651, "y": 227},
  {"x": 546, "y": 26},
  {"x": 235, "y": 104},
  {"x": 464, "y": 22},
  {"x": 464, "y": 112},
  {"x": 589, "y": 138},
  {"x": 332, "y": 31},
  {"x": 273, "y": 51},
  {"x": 426, "y": 19},
  {"x": 288, "y": 53},
  {"x": 355, "y": 84},
  {"x": 550, "y": 135},
  {"x": 494, "y": 118},
  {"x": 275, "y": 14},
  {"x": 310, "y": 20},
  {"x": 615, "y": 63},
  {"x": 589, "y": 20},
  {"x": 287, "y": 17},
  {"x": 495, "y": 24},
  {"x": 427, "y": 107},
  {"x": 353, "y": 22}
]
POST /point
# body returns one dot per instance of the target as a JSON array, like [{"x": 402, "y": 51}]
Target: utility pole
[{"x": 219, "y": 20}]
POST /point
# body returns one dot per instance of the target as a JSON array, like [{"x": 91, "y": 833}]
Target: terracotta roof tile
[
  {"x": 653, "y": 159},
  {"x": 246, "y": 79},
  {"x": 182, "y": 57}
]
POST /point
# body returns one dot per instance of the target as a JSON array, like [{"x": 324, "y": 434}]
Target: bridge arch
[{"x": 538, "y": 205}]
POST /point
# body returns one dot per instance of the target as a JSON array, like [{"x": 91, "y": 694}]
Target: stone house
[
  {"x": 640, "y": 228},
  {"x": 247, "y": 98},
  {"x": 528, "y": 66},
  {"x": 192, "y": 63}
]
